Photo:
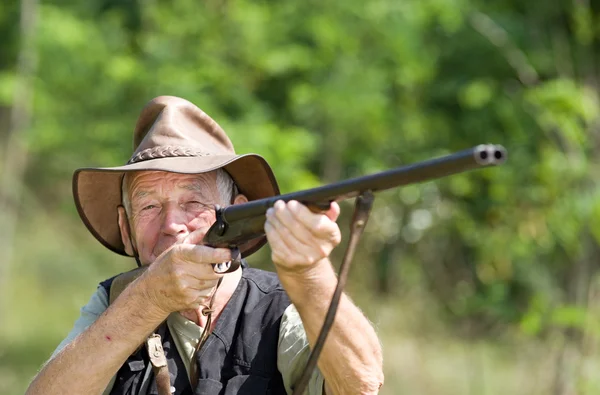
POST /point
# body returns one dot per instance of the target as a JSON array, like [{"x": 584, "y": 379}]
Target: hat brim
[{"x": 97, "y": 191}]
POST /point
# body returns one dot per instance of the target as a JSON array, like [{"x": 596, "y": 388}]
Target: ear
[
  {"x": 125, "y": 230},
  {"x": 239, "y": 199}
]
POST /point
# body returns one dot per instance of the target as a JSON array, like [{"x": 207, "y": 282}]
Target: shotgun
[{"x": 241, "y": 226}]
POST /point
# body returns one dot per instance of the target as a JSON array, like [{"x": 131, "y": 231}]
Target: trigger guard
[{"x": 230, "y": 266}]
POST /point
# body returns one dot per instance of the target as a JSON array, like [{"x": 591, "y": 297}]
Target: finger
[
  {"x": 318, "y": 224},
  {"x": 200, "y": 275},
  {"x": 285, "y": 217},
  {"x": 203, "y": 254},
  {"x": 287, "y": 236},
  {"x": 334, "y": 211},
  {"x": 280, "y": 252},
  {"x": 282, "y": 216}
]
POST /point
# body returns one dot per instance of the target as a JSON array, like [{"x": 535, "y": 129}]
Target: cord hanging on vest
[
  {"x": 362, "y": 209},
  {"x": 207, "y": 311}
]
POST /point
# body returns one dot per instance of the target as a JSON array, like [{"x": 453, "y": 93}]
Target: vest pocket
[
  {"x": 247, "y": 385},
  {"x": 208, "y": 387}
]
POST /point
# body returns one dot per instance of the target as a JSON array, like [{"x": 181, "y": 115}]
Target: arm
[
  {"x": 86, "y": 365},
  {"x": 301, "y": 241},
  {"x": 174, "y": 282}
]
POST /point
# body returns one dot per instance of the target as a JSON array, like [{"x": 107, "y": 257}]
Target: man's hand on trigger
[
  {"x": 182, "y": 277},
  {"x": 299, "y": 238}
]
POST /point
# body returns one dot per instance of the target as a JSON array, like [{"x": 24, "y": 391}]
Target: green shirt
[{"x": 292, "y": 351}]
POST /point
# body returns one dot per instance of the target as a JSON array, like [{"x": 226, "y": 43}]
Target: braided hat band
[{"x": 165, "y": 152}]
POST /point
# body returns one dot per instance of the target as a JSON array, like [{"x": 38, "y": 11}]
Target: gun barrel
[{"x": 480, "y": 156}]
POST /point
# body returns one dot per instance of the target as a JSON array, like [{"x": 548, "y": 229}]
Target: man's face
[{"x": 167, "y": 207}]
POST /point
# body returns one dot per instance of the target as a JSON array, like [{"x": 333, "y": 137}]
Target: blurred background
[{"x": 481, "y": 283}]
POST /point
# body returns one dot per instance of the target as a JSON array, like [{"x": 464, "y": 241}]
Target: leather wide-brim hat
[{"x": 176, "y": 136}]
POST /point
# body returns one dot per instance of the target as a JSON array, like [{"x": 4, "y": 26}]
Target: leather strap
[
  {"x": 122, "y": 281},
  {"x": 159, "y": 364},
  {"x": 207, "y": 312}
]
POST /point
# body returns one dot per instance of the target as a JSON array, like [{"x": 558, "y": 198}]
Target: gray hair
[{"x": 225, "y": 186}]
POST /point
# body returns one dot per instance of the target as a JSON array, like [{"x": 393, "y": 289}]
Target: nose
[{"x": 174, "y": 221}]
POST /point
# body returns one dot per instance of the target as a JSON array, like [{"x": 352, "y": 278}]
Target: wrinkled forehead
[{"x": 142, "y": 183}]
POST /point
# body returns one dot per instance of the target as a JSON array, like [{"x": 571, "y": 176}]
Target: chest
[{"x": 239, "y": 356}]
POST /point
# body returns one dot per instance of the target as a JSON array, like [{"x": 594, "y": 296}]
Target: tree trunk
[
  {"x": 570, "y": 355},
  {"x": 15, "y": 154}
]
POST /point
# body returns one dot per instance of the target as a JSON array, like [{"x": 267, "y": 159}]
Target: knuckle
[
  {"x": 179, "y": 288},
  {"x": 200, "y": 254},
  {"x": 190, "y": 299},
  {"x": 177, "y": 249},
  {"x": 322, "y": 226},
  {"x": 321, "y": 221},
  {"x": 337, "y": 238},
  {"x": 295, "y": 262},
  {"x": 285, "y": 232},
  {"x": 177, "y": 252},
  {"x": 177, "y": 273},
  {"x": 269, "y": 228},
  {"x": 323, "y": 251},
  {"x": 279, "y": 207}
]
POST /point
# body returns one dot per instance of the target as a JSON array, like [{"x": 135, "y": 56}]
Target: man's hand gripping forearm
[{"x": 301, "y": 241}]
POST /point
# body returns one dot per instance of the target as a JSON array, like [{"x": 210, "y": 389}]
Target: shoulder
[
  {"x": 262, "y": 296},
  {"x": 265, "y": 281},
  {"x": 116, "y": 284},
  {"x": 106, "y": 284}
]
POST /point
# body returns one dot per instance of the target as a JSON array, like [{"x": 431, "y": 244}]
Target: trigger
[{"x": 231, "y": 266}]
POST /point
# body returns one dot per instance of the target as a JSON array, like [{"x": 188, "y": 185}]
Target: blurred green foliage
[{"x": 485, "y": 262}]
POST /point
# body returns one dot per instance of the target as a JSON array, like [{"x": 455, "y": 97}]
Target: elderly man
[{"x": 243, "y": 332}]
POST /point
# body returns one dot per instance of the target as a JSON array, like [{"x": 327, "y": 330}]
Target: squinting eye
[
  {"x": 149, "y": 207},
  {"x": 195, "y": 205}
]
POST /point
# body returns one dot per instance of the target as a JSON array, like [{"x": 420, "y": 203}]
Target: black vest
[{"x": 239, "y": 356}]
